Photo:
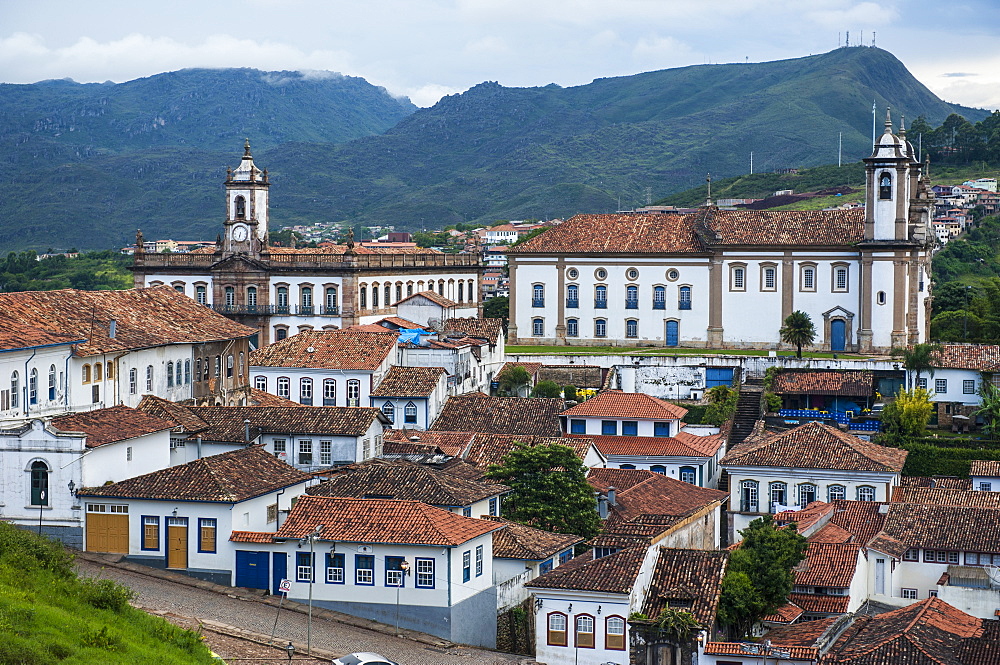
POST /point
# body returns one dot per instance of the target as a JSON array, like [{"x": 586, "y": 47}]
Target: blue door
[
  {"x": 252, "y": 569},
  {"x": 671, "y": 333},
  {"x": 718, "y": 376},
  {"x": 279, "y": 571},
  {"x": 838, "y": 335}
]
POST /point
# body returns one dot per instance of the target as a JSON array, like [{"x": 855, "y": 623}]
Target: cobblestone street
[{"x": 168, "y": 597}]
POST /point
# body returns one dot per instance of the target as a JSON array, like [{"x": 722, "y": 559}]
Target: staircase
[{"x": 748, "y": 411}]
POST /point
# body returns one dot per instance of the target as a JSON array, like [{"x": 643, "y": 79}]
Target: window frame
[
  {"x": 835, "y": 272},
  {"x": 577, "y": 633},
  {"x": 389, "y": 411},
  {"x": 283, "y": 387},
  {"x": 332, "y": 559},
  {"x": 410, "y": 413},
  {"x": 572, "y": 327},
  {"x": 148, "y": 535},
  {"x": 466, "y": 565},
  {"x": 807, "y": 277},
  {"x": 940, "y": 386},
  {"x": 305, "y": 567},
  {"x": 208, "y": 533},
  {"x": 865, "y": 489},
  {"x": 738, "y": 277},
  {"x": 360, "y": 559},
  {"x": 749, "y": 488},
  {"x": 968, "y": 386},
  {"x": 842, "y": 490},
  {"x": 428, "y": 574},
  {"x": 479, "y": 560},
  {"x": 537, "y": 327},
  {"x": 632, "y": 328},
  {"x": 600, "y": 328},
  {"x": 556, "y": 637},
  {"x": 618, "y": 643},
  {"x": 769, "y": 272}
]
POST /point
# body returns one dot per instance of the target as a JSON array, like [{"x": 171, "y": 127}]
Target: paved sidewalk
[{"x": 168, "y": 592}]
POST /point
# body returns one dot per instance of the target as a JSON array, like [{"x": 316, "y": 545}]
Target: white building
[
  {"x": 412, "y": 397},
  {"x": 617, "y": 413},
  {"x": 985, "y": 475},
  {"x": 34, "y": 363},
  {"x": 728, "y": 278}
]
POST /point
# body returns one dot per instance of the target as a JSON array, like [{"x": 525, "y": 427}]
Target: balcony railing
[
  {"x": 572, "y": 303},
  {"x": 538, "y": 302},
  {"x": 600, "y": 304},
  {"x": 684, "y": 304},
  {"x": 370, "y": 261},
  {"x": 260, "y": 310},
  {"x": 659, "y": 304},
  {"x": 631, "y": 304}
]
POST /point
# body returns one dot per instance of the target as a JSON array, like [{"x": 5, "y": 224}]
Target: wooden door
[
  {"x": 177, "y": 542},
  {"x": 107, "y": 528}
]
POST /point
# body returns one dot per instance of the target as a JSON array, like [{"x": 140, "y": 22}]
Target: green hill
[{"x": 489, "y": 153}]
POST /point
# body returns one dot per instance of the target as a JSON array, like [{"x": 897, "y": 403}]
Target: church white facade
[{"x": 728, "y": 278}]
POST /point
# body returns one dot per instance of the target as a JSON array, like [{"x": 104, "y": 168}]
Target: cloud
[
  {"x": 958, "y": 74},
  {"x": 428, "y": 95}
]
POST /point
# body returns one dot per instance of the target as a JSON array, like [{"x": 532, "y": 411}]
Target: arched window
[
  {"x": 363, "y": 297},
  {"x": 306, "y": 391},
  {"x": 52, "y": 382},
  {"x": 284, "y": 386},
  {"x": 631, "y": 297},
  {"x": 739, "y": 279},
  {"x": 86, "y": 374},
  {"x": 808, "y": 278},
  {"x": 600, "y": 328},
  {"x": 769, "y": 279},
  {"x": 584, "y": 631},
  {"x": 836, "y": 493},
  {"x": 572, "y": 328},
  {"x": 241, "y": 207},
  {"x": 389, "y": 411},
  {"x": 472, "y": 291},
  {"x": 187, "y": 371},
  {"x": 461, "y": 292},
  {"x": 840, "y": 278},
  {"x": 441, "y": 287},
  {"x": 306, "y": 296},
  {"x": 659, "y": 468},
  {"x": 410, "y": 413},
  {"x": 387, "y": 299},
  {"x": 689, "y": 475},
  {"x": 197, "y": 369},
  {"x": 39, "y": 484},
  {"x": 33, "y": 386},
  {"x": 538, "y": 327},
  {"x": 684, "y": 297},
  {"x": 201, "y": 294},
  {"x": 573, "y": 296},
  {"x": 885, "y": 185},
  {"x": 556, "y": 635},
  {"x": 659, "y": 297},
  {"x": 375, "y": 297},
  {"x": 170, "y": 374},
  {"x": 98, "y": 371},
  {"x": 353, "y": 392},
  {"x": 614, "y": 633},
  {"x": 778, "y": 496},
  {"x": 15, "y": 390},
  {"x": 807, "y": 494},
  {"x": 538, "y": 295},
  {"x": 230, "y": 296},
  {"x": 242, "y": 359},
  {"x": 866, "y": 493},
  {"x": 331, "y": 299},
  {"x": 229, "y": 366},
  {"x": 632, "y": 328},
  {"x": 748, "y": 496},
  {"x": 329, "y": 392},
  {"x": 626, "y": 466},
  {"x": 282, "y": 298},
  {"x": 409, "y": 289},
  {"x": 252, "y": 296},
  {"x": 260, "y": 383}
]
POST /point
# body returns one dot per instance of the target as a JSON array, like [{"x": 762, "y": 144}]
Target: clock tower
[{"x": 246, "y": 207}]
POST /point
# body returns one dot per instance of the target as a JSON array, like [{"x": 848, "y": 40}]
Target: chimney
[
  {"x": 246, "y": 430},
  {"x": 602, "y": 506},
  {"x": 112, "y": 329},
  {"x": 611, "y": 496}
]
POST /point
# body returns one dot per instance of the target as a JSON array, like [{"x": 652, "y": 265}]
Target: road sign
[{"x": 285, "y": 586}]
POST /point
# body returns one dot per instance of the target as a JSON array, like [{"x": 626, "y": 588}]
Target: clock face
[{"x": 240, "y": 233}]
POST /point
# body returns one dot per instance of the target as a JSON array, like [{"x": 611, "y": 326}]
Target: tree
[
  {"x": 497, "y": 308},
  {"x": 721, "y": 405},
  {"x": 759, "y": 577},
  {"x": 513, "y": 380},
  {"x": 989, "y": 409},
  {"x": 549, "y": 489},
  {"x": 798, "y": 329},
  {"x": 569, "y": 393},
  {"x": 908, "y": 414},
  {"x": 547, "y": 389},
  {"x": 918, "y": 358}
]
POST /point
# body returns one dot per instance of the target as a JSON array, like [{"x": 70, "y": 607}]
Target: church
[
  {"x": 281, "y": 291},
  {"x": 726, "y": 279}
]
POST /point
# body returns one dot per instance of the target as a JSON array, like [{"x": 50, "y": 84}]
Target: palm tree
[
  {"x": 918, "y": 358},
  {"x": 513, "y": 380},
  {"x": 798, "y": 329},
  {"x": 989, "y": 409}
]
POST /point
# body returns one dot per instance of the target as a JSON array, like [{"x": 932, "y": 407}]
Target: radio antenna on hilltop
[
  {"x": 873, "y": 39},
  {"x": 847, "y": 42}
]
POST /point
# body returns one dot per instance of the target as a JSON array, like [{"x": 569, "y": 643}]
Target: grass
[
  {"x": 48, "y": 615},
  {"x": 653, "y": 351}
]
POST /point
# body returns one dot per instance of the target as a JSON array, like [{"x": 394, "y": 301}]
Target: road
[{"x": 164, "y": 596}]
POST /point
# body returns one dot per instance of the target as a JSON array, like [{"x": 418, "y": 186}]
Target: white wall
[
  {"x": 574, "y": 604},
  {"x": 23, "y": 361},
  {"x": 643, "y": 427},
  {"x": 366, "y": 379},
  {"x": 110, "y": 462}
]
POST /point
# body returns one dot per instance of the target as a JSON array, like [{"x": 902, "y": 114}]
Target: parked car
[{"x": 364, "y": 658}]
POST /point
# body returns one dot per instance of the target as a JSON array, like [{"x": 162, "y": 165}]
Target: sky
[{"x": 425, "y": 49}]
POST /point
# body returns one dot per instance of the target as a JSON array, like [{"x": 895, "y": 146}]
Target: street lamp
[
  {"x": 290, "y": 650},
  {"x": 312, "y": 578},
  {"x": 41, "y": 507},
  {"x": 404, "y": 568}
]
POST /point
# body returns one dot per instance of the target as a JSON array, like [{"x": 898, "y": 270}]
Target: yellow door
[
  {"x": 107, "y": 532},
  {"x": 177, "y": 537}
]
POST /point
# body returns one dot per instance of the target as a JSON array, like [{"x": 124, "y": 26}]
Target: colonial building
[
  {"x": 728, "y": 278},
  {"x": 279, "y": 289}
]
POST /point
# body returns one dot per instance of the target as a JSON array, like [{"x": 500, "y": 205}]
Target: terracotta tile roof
[
  {"x": 689, "y": 576},
  {"x": 381, "y": 521},
  {"x": 863, "y": 519},
  {"x": 616, "y": 573},
  {"x": 229, "y": 477},
  {"x": 655, "y": 446},
  {"x": 402, "y": 323},
  {"x": 616, "y": 234},
  {"x": 517, "y": 541},
  {"x": 990, "y": 468},
  {"x": 784, "y": 227},
  {"x": 397, "y": 479},
  {"x": 409, "y": 382},
  {"x": 621, "y": 405},
  {"x": 936, "y": 527},
  {"x": 738, "y": 649},
  {"x": 332, "y": 349},
  {"x": 409, "y": 448},
  {"x": 982, "y": 357},
  {"x": 489, "y": 329},
  {"x": 818, "y": 382},
  {"x": 828, "y": 564},
  {"x": 226, "y": 423},
  {"x": 787, "y": 613},
  {"x": 811, "y": 604},
  {"x": 500, "y": 415},
  {"x": 945, "y": 497},
  {"x": 366, "y": 327},
  {"x": 653, "y": 495},
  {"x": 264, "y": 398},
  {"x": 803, "y": 634},
  {"x": 450, "y": 443},
  {"x": 489, "y": 449},
  {"x": 930, "y": 631},
  {"x": 181, "y": 414},
  {"x": 433, "y": 296},
  {"x": 251, "y": 537},
  {"x": 620, "y": 479},
  {"x": 807, "y": 517},
  {"x": 939, "y": 482},
  {"x": 115, "y": 423},
  {"x": 831, "y": 533},
  {"x": 145, "y": 318},
  {"x": 817, "y": 446},
  {"x": 16, "y": 335}
]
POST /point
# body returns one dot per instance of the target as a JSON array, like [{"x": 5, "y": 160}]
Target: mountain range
[{"x": 87, "y": 164}]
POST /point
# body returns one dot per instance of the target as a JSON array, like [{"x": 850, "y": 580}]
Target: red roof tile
[
  {"x": 738, "y": 649},
  {"x": 264, "y": 398},
  {"x": 115, "y": 423},
  {"x": 331, "y": 349},
  {"x": 787, "y": 613},
  {"x": 409, "y": 382},
  {"x": 616, "y": 573},
  {"x": 488, "y": 329},
  {"x": 251, "y": 537},
  {"x": 475, "y": 412},
  {"x": 16, "y": 335},
  {"x": 811, "y": 604},
  {"x": 939, "y": 482},
  {"x": 689, "y": 579},
  {"x": 518, "y": 541},
  {"x": 186, "y": 420},
  {"x": 653, "y": 495},
  {"x": 381, "y": 521},
  {"x": 227, "y": 423},
  {"x": 944, "y": 497},
  {"x": 937, "y": 527},
  {"x": 433, "y": 296},
  {"x": 487, "y": 449},
  {"x": 655, "y": 446},
  {"x": 863, "y": 519},
  {"x": 982, "y": 357},
  {"x": 828, "y": 564},
  {"x": 989, "y": 468},
  {"x": 450, "y": 443},
  {"x": 802, "y": 634},
  {"x": 807, "y": 517},
  {"x": 818, "y": 382},
  {"x": 616, "y": 234},
  {"x": 784, "y": 227},
  {"x": 621, "y": 405}
]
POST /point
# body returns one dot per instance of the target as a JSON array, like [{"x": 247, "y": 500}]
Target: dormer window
[
  {"x": 241, "y": 207},
  {"x": 885, "y": 186}
]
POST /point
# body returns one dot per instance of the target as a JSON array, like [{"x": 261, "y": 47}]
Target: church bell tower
[{"x": 246, "y": 207}]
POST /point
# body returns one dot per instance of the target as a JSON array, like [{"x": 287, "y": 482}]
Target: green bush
[
  {"x": 773, "y": 402},
  {"x": 27, "y": 550},
  {"x": 928, "y": 460},
  {"x": 106, "y": 594},
  {"x": 101, "y": 639},
  {"x": 569, "y": 393},
  {"x": 547, "y": 389},
  {"x": 722, "y": 405},
  {"x": 695, "y": 413}
]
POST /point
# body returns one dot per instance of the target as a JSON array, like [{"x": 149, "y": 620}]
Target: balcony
[
  {"x": 659, "y": 304},
  {"x": 600, "y": 304},
  {"x": 572, "y": 303},
  {"x": 538, "y": 302},
  {"x": 631, "y": 304},
  {"x": 261, "y": 310},
  {"x": 684, "y": 304}
]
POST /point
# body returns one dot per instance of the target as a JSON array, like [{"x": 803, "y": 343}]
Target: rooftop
[
  {"x": 616, "y": 573},
  {"x": 819, "y": 382},
  {"x": 982, "y": 357},
  {"x": 937, "y": 527},
  {"x": 828, "y": 565},
  {"x": 650, "y": 495},
  {"x": 409, "y": 382},
  {"x": 362, "y": 350},
  {"x": 988, "y": 468},
  {"x": 625, "y": 406},
  {"x": 946, "y": 497},
  {"x": 688, "y": 579},
  {"x": 116, "y": 423},
  {"x": 477, "y": 412},
  {"x": 658, "y": 446},
  {"x": 489, "y": 329},
  {"x": 517, "y": 541},
  {"x": 226, "y": 423},
  {"x": 433, "y": 296}
]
